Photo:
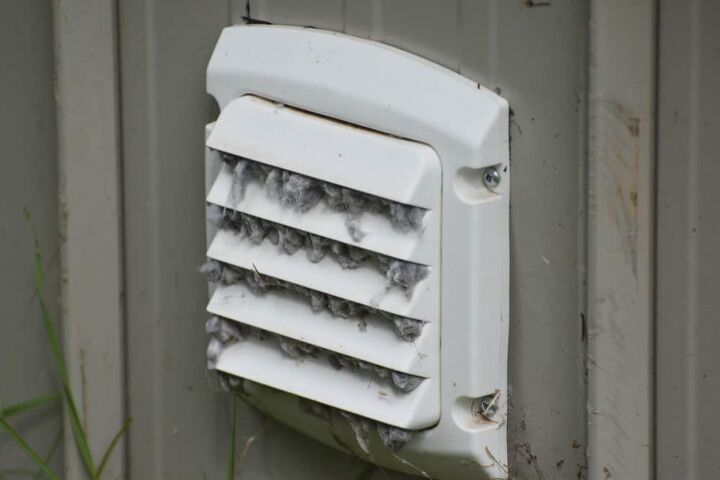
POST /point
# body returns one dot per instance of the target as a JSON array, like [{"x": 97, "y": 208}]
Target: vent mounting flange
[{"x": 358, "y": 249}]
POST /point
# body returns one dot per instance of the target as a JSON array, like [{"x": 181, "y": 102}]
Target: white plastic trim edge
[{"x": 382, "y": 88}]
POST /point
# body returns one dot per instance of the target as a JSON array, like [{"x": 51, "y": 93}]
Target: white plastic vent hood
[{"x": 358, "y": 248}]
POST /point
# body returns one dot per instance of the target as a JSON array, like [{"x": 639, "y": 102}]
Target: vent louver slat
[
  {"x": 377, "y": 267},
  {"x": 379, "y": 235},
  {"x": 399, "y": 273},
  {"x": 292, "y": 317},
  {"x": 353, "y": 391},
  {"x": 226, "y": 332},
  {"x": 409, "y": 329},
  {"x": 347, "y": 155},
  {"x": 362, "y": 285}
]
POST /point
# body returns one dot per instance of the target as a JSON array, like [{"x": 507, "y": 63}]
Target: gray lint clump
[
  {"x": 302, "y": 193},
  {"x": 405, "y": 381},
  {"x": 224, "y": 332},
  {"x": 399, "y": 273},
  {"x": 408, "y": 329},
  {"x": 393, "y": 438},
  {"x": 402, "y": 381},
  {"x": 361, "y": 428},
  {"x": 229, "y": 383}
]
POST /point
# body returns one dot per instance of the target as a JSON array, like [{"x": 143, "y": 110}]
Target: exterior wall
[
  {"x": 180, "y": 428},
  {"x": 537, "y": 57},
  {"x": 506, "y": 45},
  {"x": 28, "y": 178}
]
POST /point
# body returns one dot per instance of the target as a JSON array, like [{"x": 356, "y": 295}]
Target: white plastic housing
[{"x": 374, "y": 119}]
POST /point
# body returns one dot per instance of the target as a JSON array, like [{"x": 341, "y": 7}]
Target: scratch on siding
[{"x": 619, "y": 154}]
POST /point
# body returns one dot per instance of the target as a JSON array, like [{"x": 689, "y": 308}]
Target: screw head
[
  {"x": 491, "y": 178},
  {"x": 488, "y": 405}
]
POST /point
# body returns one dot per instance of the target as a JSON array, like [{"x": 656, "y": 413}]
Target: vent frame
[{"x": 467, "y": 125}]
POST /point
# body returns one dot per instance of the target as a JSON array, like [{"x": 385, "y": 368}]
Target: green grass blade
[
  {"x": 79, "y": 432},
  {"x": 39, "y": 290},
  {"x": 75, "y": 421},
  {"x": 28, "y": 405},
  {"x": 111, "y": 447},
  {"x": 233, "y": 440},
  {"x": 28, "y": 450},
  {"x": 53, "y": 447}
]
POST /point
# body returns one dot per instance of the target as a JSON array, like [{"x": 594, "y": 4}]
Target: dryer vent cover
[{"x": 358, "y": 248}]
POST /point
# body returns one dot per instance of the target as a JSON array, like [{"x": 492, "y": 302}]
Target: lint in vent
[{"x": 357, "y": 201}]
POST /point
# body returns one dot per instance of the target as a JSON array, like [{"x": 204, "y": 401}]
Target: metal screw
[
  {"x": 488, "y": 406},
  {"x": 491, "y": 178}
]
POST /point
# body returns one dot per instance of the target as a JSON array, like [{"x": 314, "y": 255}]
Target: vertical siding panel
[
  {"x": 621, "y": 239},
  {"x": 688, "y": 232},
  {"x": 181, "y": 427},
  {"x": 359, "y": 18},
  {"x": 326, "y": 14},
  {"x": 511, "y": 47},
  {"x": 86, "y": 92},
  {"x": 424, "y": 27},
  {"x": 28, "y": 178},
  {"x": 477, "y": 36},
  {"x": 675, "y": 401}
]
